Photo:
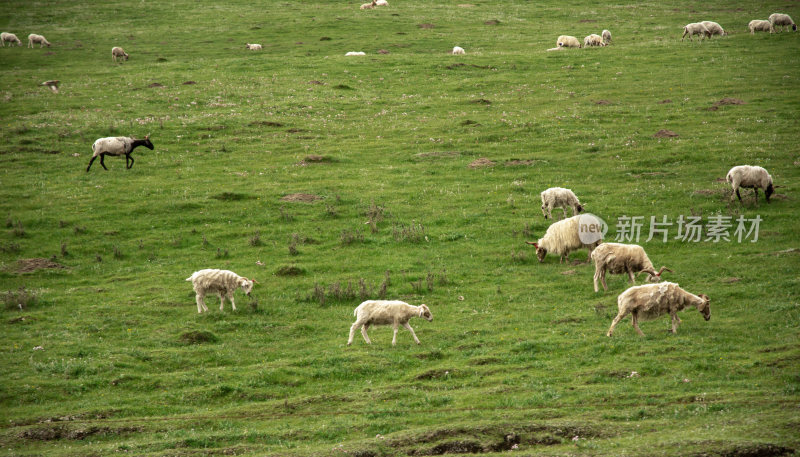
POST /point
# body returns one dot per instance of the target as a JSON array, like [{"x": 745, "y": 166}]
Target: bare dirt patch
[
  {"x": 317, "y": 83},
  {"x": 602, "y": 102},
  {"x": 583, "y": 21},
  {"x": 265, "y": 124},
  {"x": 62, "y": 432},
  {"x": 314, "y": 159},
  {"x": 652, "y": 173},
  {"x": 726, "y": 101},
  {"x": 300, "y": 197},
  {"x": 568, "y": 272},
  {"x": 29, "y": 265},
  {"x": 665, "y": 101},
  {"x": 155, "y": 85},
  {"x": 426, "y": 26},
  {"x": 189, "y": 83},
  {"x": 198, "y": 337},
  {"x": 731, "y": 280},
  {"x": 519, "y": 163},
  {"x": 748, "y": 450},
  {"x": 383, "y": 51},
  {"x": 492, "y": 22},
  {"x": 482, "y": 162},
  {"x": 425, "y": 155},
  {"x": 481, "y": 101},
  {"x": 433, "y": 374},
  {"x": 664, "y": 133}
]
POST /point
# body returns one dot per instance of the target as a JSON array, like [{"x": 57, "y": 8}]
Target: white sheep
[
  {"x": 386, "y": 312},
  {"x": 606, "y": 37},
  {"x": 253, "y": 46},
  {"x": 37, "y": 39},
  {"x": 760, "y": 26},
  {"x": 593, "y": 40},
  {"x": 562, "y": 238},
  {"x": 782, "y": 20},
  {"x": 695, "y": 28},
  {"x": 355, "y": 53},
  {"x": 566, "y": 41},
  {"x": 714, "y": 28},
  {"x": 117, "y": 51},
  {"x": 381, "y": 3},
  {"x": 750, "y": 177},
  {"x": 369, "y": 6},
  {"x": 117, "y": 146},
  {"x": 222, "y": 282},
  {"x": 617, "y": 258},
  {"x": 558, "y": 197},
  {"x": 458, "y": 51},
  {"x": 653, "y": 300},
  {"x": 9, "y": 37}
]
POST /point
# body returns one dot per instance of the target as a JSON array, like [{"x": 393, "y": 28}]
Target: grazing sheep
[
  {"x": 10, "y": 37},
  {"x": 458, "y": 51},
  {"x": 606, "y": 37},
  {"x": 619, "y": 258},
  {"x": 566, "y": 41},
  {"x": 385, "y": 312},
  {"x": 381, "y": 3},
  {"x": 52, "y": 84},
  {"x": 653, "y": 300},
  {"x": 222, "y": 282},
  {"x": 593, "y": 40},
  {"x": 695, "y": 28},
  {"x": 562, "y": 238},
  {"x": 752, "y": 177},
  {"x": 355, "y": 53},
  {"x": 369, "y": 6},
  {"x": 761, "y": 26},
  {"x": 37, "y": 39},
  {"x": 558, "y": 197},
  {"x": 117, "y": 51},
  {"x": 117, "y": 146},
  {"x": 782, "y": 20},
  {"x": 253, "y": 46},
  {"x": 714, "y": 28}
]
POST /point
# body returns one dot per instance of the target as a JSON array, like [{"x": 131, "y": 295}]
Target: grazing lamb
[
  {"x": 619, "y": 258},
  {"x": 653, "y": 300},
  {"x": 385, "y": 312},
  {"x": 117, "y": 146},
  {"x": 355, "y": 53},
  {"x": 761, "y": 26},
  {"x": 253, "y": 46},
  {"x": 222, "y": 282},
  {"x": 566, "y": 41},
  {"x": 37, "y": 39},
  {"x": 714, "y": 28},
  {"x": 369, "y": 6},
  {"x": 593, "y": 40},
  {"x": 752, "y": 177},
  {"x": 558, "y": 197},
  {"x": 117, "y": 51},
  {"x": 782, "y": 20},
  {"x": 695, "y": 28},
  {"x": 562, "y": 238},
  {"x": 10, "y": 37},
  {"x": 458, "y": 51},
  {"x": 606, "y": 37}
]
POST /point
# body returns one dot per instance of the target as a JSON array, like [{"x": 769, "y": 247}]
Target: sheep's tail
[{"x": 729, "y": 178}]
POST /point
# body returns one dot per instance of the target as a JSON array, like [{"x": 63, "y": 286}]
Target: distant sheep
[
  {"x": 37, "y": 39},
  {"x": 714, "y": 28},
  {"x": 782, "y": 20},
  {"x": 253, "y": 46},
  {"x": 117, "y": 146},
  {"x": 566, "y": 41},
  {"x": 758, "y": 25},
  {"x": 617, "y": 258},
  {"x": 695, "y": 28},
  {"x": 386, "y": 312},
  {"x": 653, "y": 300},
  {"x": 593, "y": 40},
  {"x": 558, "y": 197},
  {"x": 606, "y": 37},
  {"x": 117, "y": 51},
  {"x": 222, "y": 282},
  {"x": 9, "y": 37},
  {"x": 381, "y": 3},
  {"x": 355, "y": 53},
  {"x": 562, "y": 238},
  {"x": 369, "y": 6},
  {"x": 458, "y": 51},
  {"x": 750, "y": 177}
]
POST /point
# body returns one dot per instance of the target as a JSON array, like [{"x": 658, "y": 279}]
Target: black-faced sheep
[
  {"x": 117, "y": 146},
  {"x": 782, "y": 20},
  {"x": 617, "y": 258},
  {"x": 222, "y": 282},
  {"x": 653, "y": 300},
  {"x": 386, "y": 312},
  {"x": 752, "y": 177}
]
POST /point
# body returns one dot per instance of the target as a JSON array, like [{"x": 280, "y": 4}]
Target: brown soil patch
[
  {"x": 664, "y": 133},
  {"x": 481, "y": 101},
  {"x": 28, "y": 265},
  {"x": 726, "y": 101},
  {"x": 305, "y": 198},
  {"x": 438, "y": 154},
  {"x": 602, "y": 102},
  {"x": 568, "y": 272},
  {"x": 482, "y": 162},
  {"x": 426, "y": 26},
  {"x": 20, "y": 319},
  {"x": 314, "y": 159},
  {"x": 583, "y": 21},
  {"x": 665, "y": 101},
  {"x": 189, "y": 83},
  {"x": 747, "y": 450},
  {"x": 155, "y": 85},
  {"x": 652, "y": 173},
  {"x": 265, "y": 124},
  {"x": 61, "y": 432},
  {"x": 731, "y": 280},
  {"x": 519, "y": 163},
  {"x": 296, "y": 130},
  {"x": 383, "y": 51},
  {"x": 468, "y": 122},
  {"x": 433, "y": 374},
  {"x": 318, "y": 83},
  {"x": 492, "y": 22}
]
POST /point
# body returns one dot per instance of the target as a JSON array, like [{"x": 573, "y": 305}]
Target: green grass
[{"x": 517, "y": 352}]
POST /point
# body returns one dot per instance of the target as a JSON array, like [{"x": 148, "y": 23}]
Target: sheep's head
[
  {"x": 794, "y": 27},
  {"x": 705, "y": 307},
  {"x": 580, "y": 207},
  {"x": 770, "y": 189},
  {"x": 544, "y": 211},
  {"x": 653, "y": 275},
  {"x": 425, "y": 313},
  {"x": 247, "y": 285},
  {"x": 540, "y": 251},
  {"x": 147, "y": 143}
]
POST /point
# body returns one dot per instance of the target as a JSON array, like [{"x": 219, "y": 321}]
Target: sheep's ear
[{"x": 147, "y": 137}]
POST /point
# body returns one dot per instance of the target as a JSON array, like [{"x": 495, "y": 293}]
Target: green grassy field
[{"x": 422, "y": 173}]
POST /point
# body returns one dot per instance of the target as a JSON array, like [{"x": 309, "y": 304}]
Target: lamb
[
  {"x": 695, "y": 28},
  {"x": 564, "y": 237},
  {"x": 619, "y": 258},
  {"x": 253, "y": 46},
  {"x": 222, "y": 282},
  {"x": 781, "y": 20},
  {"x": 714, "y": 28},
  {"x": 369, "y": 6},
  {"x": 37, "y": 39},
  {"x": 117, "y": 51},
  {"x": 562, "y": 198},
  {"x": 566, "y": 41},
  {"x": 593, "y": 40},
  {"x": 752, "y": 177},
  {"x": 761, "y": 26},
  {"x": 458, "y": 51},
  {"x": 10, "y": 37},
  {"x": 117, "y": 146},
  {"x": 606, "y": 37},
  {"x": 385, "y": 312},
  {"x": 653, "y": 300}
]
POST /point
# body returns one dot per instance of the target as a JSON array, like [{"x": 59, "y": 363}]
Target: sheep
[
  {"x": 458, "y": 51},
  {"x": 355, "y": 53},
  {"x": 781, "y": 20},
  {"x": 714, "y": 28},
  {"x": 752, "y": 177},
  {"x": 653, "y": 300},
  {"x": 10, "y": 37},
  {"x": 381, "y": 3},
  {"x": 566, "y": 41},
  {"x": 37, "y": 39},
  {"x": 695, "y": 28},
  {"x": 253, "y": 46},
  {"x": 606, "y": 37},
  {"x": 117, "y": 51},
  {"x": 593, "y": 40},
  {"x": 117, "y": 146},
  {"x": 619, "y": 258},
  {"x": 222, "y": 282},
  {"x": 369, "y": 6},
  {"x": 385, "y": 312},
  {"x": 52, "y": 84},
  {"x": 562, "y": 238},
  {"x": 558, "y": 197},
  {"x": 761, "y": 26}
]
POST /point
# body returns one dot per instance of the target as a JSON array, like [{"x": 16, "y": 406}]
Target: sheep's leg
[
  {"x": 416, "y": 340},
  {"x": 128, "y": 157},
  {"x": 755, "y": 189},
  {"x": 233, "y": 303},
  {"x": 737, "y": 194},
  {"x": 102, "y": 160},
  {"x": 596, "y": 277},
  {"x": 635, "y": 317},
  {"x": 364, "y": 333},
  {"x": 221, "y": 300},
  {"x": 352, "y": 332},
  {"x": 631, "y": 276},
  {"x": 394, "y": 337},
  {"x": 614, "y": 323},
  {"x": 674, "y": 323},
  {"x": 200, "y": 304},
  {"x": 90, "y": 163},
  {"x": 564, "y": 209}
]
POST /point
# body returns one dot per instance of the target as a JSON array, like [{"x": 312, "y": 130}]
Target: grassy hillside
[{"x": 408, "y": 174}]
